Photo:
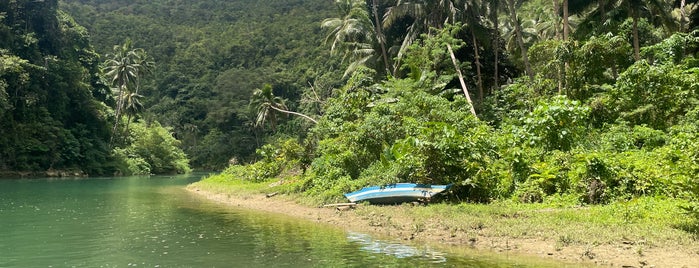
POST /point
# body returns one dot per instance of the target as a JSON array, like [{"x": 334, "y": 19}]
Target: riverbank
[
  {"x": 41, "y": 174},
  {"x": 640, "y": 233}
]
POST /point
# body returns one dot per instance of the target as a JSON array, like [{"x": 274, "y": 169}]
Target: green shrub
[
  {"x": 152, "y": 149},
  {"x": 281, "y": 157},
  {"x": 514, "y": 101},
  {"x": 556, "y": 124},
  {"x": 603, "y": 177},
  {"x": 621, "y": 138},
  {"x": 128, "y": 163},
  {"x": 656, "y": 96},
  {"x": 683, "y": 154}
]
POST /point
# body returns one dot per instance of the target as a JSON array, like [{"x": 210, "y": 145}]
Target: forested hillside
[
  {"x": 209, "y": 57},
  {"x": 592, "y": 101},
  {"x": 585, "y": 101},
  {"x": 52, "y": 114},
  {"x": 61, "y": 103}
]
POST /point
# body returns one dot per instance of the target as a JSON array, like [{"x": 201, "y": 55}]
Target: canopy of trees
[
  {"x": 211, "y": 55},
  {"x": 506, "y": 99},
  {"x": 52, "y": 112},
  {"x": 56, "y": 106}
]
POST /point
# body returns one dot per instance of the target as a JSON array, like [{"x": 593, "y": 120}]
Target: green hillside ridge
[
  {"x": 211, "y": 55},
  {"x": 506, "y": 100},
  {"x": 57, "y": 105}
]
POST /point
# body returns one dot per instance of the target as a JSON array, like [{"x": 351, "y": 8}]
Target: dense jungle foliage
[
  {"x": 210, "y": 55},
  {"x": 56, "y": 104},
  {"x": 528, "y": 100}
]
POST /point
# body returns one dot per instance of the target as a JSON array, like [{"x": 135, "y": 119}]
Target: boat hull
[{"x": 397, "y": 193}]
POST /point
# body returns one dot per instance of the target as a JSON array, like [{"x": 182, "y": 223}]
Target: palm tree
[
  {"x": 144, "y": 63},
  {"x": 472, "y": 14},
  {"x": 122, "y": 72},
  {"x": 265, "y": 104},
  {"x": 133, "y": 107},
  {"x": 691, "y": 11},
  {"x": 519, "y": 37},
  {"x": 124, "y": 68},
  {"x": 461, "y": 81},
  {"x": 652, "y": 8},
  {"x": 380, "y": 38},
  {"x": 658, "y": 11},
  {"x": 682, "y": 13},
  {"x": 353, "y": 33},
  {"x": 425, "y": 14}
]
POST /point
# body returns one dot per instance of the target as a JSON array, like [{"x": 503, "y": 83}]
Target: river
[{"x": 154, "y": 222}]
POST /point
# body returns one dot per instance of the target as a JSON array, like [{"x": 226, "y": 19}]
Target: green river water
[{"x": 154, "y": 222}]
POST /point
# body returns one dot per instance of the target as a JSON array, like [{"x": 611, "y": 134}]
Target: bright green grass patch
[
  {"x": 225, "y": 183},
  {"x": 229, "y": 184}
]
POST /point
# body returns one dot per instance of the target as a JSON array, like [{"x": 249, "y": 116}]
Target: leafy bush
[
  {"x": 128, "y": 163},
  {"x": 515, "y": 100},
  {"x": 556, "y": 124},
  {"x": 152, "y": 149},
  {"x": 683, "y": 154},
  {"x": 275, "y": 158},
  {"x": 621, "y": 138},
  {"x": 656, "y": 96}
]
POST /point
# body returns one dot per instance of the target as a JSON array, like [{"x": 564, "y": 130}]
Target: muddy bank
[{"x": 395, "y": 222}]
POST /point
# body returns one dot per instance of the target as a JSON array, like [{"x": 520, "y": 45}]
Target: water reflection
[
  {"x": 395, "y": 249},
  {"x": 154, "y": 222}
]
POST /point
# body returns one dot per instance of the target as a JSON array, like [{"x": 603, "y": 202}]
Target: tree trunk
[
  {"x": 379, "y": 37},
  {"x": 126, "y": 131},
  {"x": 478, "y": 67},
  {"x": 556, "y": 10},
  {"x": 566, "y": 36},
  {"x": 520, "y": 39},
  {"x": 683, "y": 15},
  {"x": 566, "y": 23},
  {"x": 603, "y": 13},
  {"x": 117, "y": 114},
  {"x": 294, "y": 113},
  {"x": 496, "y": 45},
  {"x": 559, "y": 36},
  {"x": 461, "y": 80},
  {"x": 636, "y": 42},
  {"x": 273, "y": 122}
]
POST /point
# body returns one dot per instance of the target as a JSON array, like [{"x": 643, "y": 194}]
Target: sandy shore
[{"x": 368, "y": 219}]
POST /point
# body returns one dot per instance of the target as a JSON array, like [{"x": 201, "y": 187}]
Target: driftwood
[
  {"x": 343, "y": 208},
  {"x": 340, "y": 205}
]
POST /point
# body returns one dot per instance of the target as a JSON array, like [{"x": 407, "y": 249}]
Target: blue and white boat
[{"x": 397, "y": 193}]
